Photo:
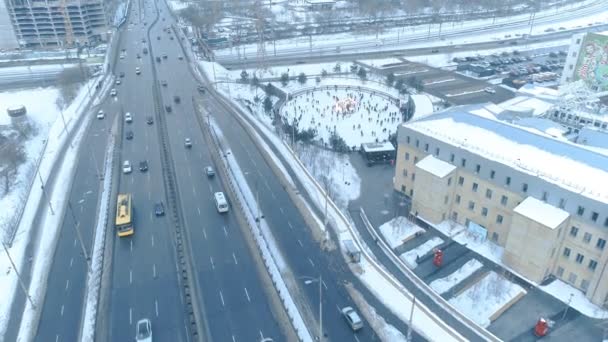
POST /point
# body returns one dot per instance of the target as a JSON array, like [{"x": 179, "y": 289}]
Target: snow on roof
[
  {"x": 561, "y": 162},
  {"x": 534, "y": 90},
  {"x": 546, "y": 126},
  {"x": 541, "y": 212},
  {"x": 593, "y": 137},
  {"x": 525, "y": 104},
  {"x": 435, "y": 166},
  {"x": 424, "y": 105},
  {"x": 378, "y": 147}
]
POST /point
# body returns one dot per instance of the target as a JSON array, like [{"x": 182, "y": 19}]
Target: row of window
[
  {"x": 600, "y": 243},
  {"x": 594, "y": 216},
  {"x": 504, "y": 200},
  {"x": 592, "y": 265},
  {"x": 471, "y": 206},
  {"x": 572, "y": 279}
]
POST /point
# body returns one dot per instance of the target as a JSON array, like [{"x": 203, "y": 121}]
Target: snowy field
[
  {"x": 494, "y": 291},
  {"x": 358, "y": 116},
  {"x": 410, "y": 256},
  {"x": 399, "y": 230},
  {"x": 444, "y": 284}
]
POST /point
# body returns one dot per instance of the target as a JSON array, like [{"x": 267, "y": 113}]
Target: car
[
  {"x": 201, "y": 89},
  {"x": 187, "y": 143},
  {"x": 145, "y": 51},
  {"x": 113, "y": 92},
  {"x": 434, "y": 51},
  {"x": 117, "y": 82},
  {"x": 165, "y": 56},
  {"x": 159, "y": 209},
  {"x": 138, "y": 56},
  {"x": 122, "y": 74},
  {"x": 157, "y": 37},
  {"x": 143, "y": 330},
  {"x": 129, "y": 135},
  {"x": 158, "y": 59},
  {"x": 101, "y": 114},
  {"x": 209, "y": 171},
  {"x": 128, "y": 117},
  {"x": 143, "y": 166},
  {"x": 163, "y": 83},
  {"x": 143, "y": 40},
  {"x": 180, "y": 57},
  {"x": 352, "y": 318},
  {"x": 489, "y": 90},
  {"x": 149, "y": 120},
  {"x": 122, "y": 56},
  {"x": 137, "y": 70},
  {"x": 168, "y": 108},
  {"x": 176, "y": 99},
  {"x": 126, "y": 167}
]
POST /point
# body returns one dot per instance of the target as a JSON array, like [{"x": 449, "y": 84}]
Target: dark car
[
  {"x": 159, "y": 209},
  {"x": 158, "y": 37},
  {"x": 149, "y": 120},
  {"x": 143, "y": 166},
  {"x": 165, "y": 56},
  {"x": 163, "y": 83},
  {"x": 129, "y": 135},
  {"x": 158, "y": 59},
  {"x": 168, "y": 108},
  {"x": 122, "y": 74},
  {"x": 176, "y": 99},
  {"x": 201, "y": 89}
]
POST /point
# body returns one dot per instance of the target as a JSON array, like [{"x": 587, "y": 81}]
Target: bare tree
[
  {"x": 69, "y": 81},
  {"x": 12, "y": 155}
]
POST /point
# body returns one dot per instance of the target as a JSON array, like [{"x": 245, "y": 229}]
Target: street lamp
[{"x": 311, "y": 280}]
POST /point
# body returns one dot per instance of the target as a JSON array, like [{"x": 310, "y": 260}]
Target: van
[{"x": 220, "y": 202}]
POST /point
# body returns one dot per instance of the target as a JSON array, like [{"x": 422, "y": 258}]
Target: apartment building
[
  {"x": 43, "y": 23},
  {"x": 586, "y": 60},
  {"x": 8, "y": 40},
  {"x": 544, "y": 200}
]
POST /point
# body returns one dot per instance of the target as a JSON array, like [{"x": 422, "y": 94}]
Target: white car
[
  {"x": 137, "y": 71},
  {"x": 128, "y": 117},
  {"x": 101, "y": 114},
  {"x": 113, "y": 92},
  {"x": 117, "y": 81},
  {"x": 490, "y": 90},
  {"x": 352, "y": 318},
  {"x": 143, "y": 331},
  {"x": 126, "y": 167}
]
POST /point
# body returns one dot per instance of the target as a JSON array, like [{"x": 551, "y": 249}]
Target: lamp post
[{"x": 311, "y": 280}]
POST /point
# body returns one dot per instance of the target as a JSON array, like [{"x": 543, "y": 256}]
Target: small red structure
[
  {"x": 438, "y": 258},
  {"x": 541, "y": 328}
]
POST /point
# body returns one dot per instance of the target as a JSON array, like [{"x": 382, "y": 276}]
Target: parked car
[
  {"x": 117, "y": 81},
  {"x": 165, "y": 56},
  {"x": 352, "y": 318},
  {"x": 128, "y": 117},
  {"x": 201, "y": 89},
  {"x": 490, "y": 90}
]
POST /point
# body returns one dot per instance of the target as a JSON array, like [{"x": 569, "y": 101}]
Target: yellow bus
[{"x": 124, "y": 215}]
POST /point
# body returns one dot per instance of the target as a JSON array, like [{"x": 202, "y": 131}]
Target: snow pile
[
  {"x": 382, "y": 63},
  {"x": 215, "y": 71},
  {"x": 398, "y": 231},
  {"x": 423, "y": 105},
  {"x": 460, "y": 234},
  {"x": 443, "y": 285},
  {"x": 564, "y": 291},
  {"x": 177, "y": 5},
  {"x": 410, "y": 256},
  {"x": 494, "y": 291}
]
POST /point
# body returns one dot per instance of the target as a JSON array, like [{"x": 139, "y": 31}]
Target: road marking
[
  {"x": 212, "y": 265},
  {"x": 67, "y": 284},
  {"x": 71, "y": 262},
  {"x": 273, "y": 196},
  {"x": 156, "y": 306},
  {"x": 131, "y": 276},
  {"x": 131, "y": 243},
  {"x": 189, "y": 173},
  {"x": 300, "y": 242},
  {"x": 151, "y": 217},
  {"x": 225, "y": 232},
  {"x": 234, "y": 257},
  {"x": 204, "y": 233},
  {"x": 289, "y": 224},
  {"x": 132, "y": 180},
  {"x": 325, "y": 286},
  {"x": 149, "y": 195},
  {"x": 210, "y": 188},
  {"x": 81, "y": 201},
  {"x": 267, "y": 186},
  {"x": 281, "y": 209},
  {"x": 56, "y": 338},
  {"x": 312, "y": 263},
  {"x": 194, "y": 190},
  {"x": 74, "y": 242},
  {"x": 152, "y": 236},
  {"x": 81, "y": 208},
  {"x": 222, "y": 298},
  {"x": 247, "y": 294},
  {"x": 356, "y": 337},
  {"x": 154, "y": 271},
  {"x": 261, "y": 335},
  {"x": 62, "y": 307},
  {"x": 199, "y": 210},
  {"x": 130, "y": 316},
  {"x": 233, "y": 339}
]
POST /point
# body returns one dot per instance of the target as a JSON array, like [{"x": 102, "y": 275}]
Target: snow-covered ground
[
  {"x": 443, "y": 285},
  {"x": 494, "y": 291},
  {"x": 292, "y": 70},
  {"x": 410, "y": 256},
  {"x": 575, "y": 298},
  {"x": 398, "y": 230}
]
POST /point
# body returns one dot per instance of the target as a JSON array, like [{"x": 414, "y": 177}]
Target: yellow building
[{"x": 544, "y": 200}]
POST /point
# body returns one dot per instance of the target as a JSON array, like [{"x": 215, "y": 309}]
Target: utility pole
[
  {"x": 82, "y": 246},
  {"x": 567, "y": 306},
  {"x": 409, "y": 326},
  {"x": 44, "y": 192},
  {"x": 19, "y": 277},
  {"x": 320, "y": 308}
]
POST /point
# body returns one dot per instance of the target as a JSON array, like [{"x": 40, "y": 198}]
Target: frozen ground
[
  {"x": 493, "y": 290},
  {"x": 410, "y": 256},
  {"x": 444, "y": 284},
  {"x": 398, "y": 230}
]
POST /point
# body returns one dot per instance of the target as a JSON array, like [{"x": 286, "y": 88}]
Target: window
[
  {"x": 592, "y": 264},
  {"x": 580, "y": 211},
  {"x": 417, "y": 143},
  {"x": 463, "y": 162},
  {"x": 489, "y": 193},
  {"x": 415, "y": 160},
  {"x": 471, "y": 205},
  {"x": 601, "y": 243},
  {"x": 407, "y": 139},
  {"x": 579, "y": 258},
  {"x": 587, "y": 237},
  {"x": 452, "y": 158},
  {"x": 449, "y": 181},
  {"x": 584, "y": 285},
  {"x": 454, "y": 216},
  {"x": 566, "y": 252},
  {"x": 460, "y": 180},
  {"x": 524, "y": 187},
  {"x": 573, "y": 231},
  {"x": 606, "y": 222},
  {"x": 411, "y": 192},
  {"x": 504, "y": 199},
  {"x": 560, "y": 271},
  {"x": 407, "y": 156},
  {"x": 458, "y": 199},
  {"x": 492, "y": 174},
  {"x": 445, "y": 200},
  {"x": 413, "y": 176},
  {"x": 572, "y": 278},
  {"x": 499, "y": 219},
  {"x": 426, "y": 147},
  {"x": 578, "y": 41},
  {"x": 495, "y": 236},
  {"x": 545, "y": 195},
  {"x": 562, "y": 203},
  {"x": 477, "y": 168},
  {"x": 594, "y": 216},
  {"x": 484, "y": 211},
  {"x": 508, "y": 181},
  {"x": 437, "y": 151},
  {"x": 404, "y": 172},
  {"x": 474, "y": 187},
  {"x": 403, "y": 188}
]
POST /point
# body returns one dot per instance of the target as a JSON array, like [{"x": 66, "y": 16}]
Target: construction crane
[{"x": 69, "y": 31}]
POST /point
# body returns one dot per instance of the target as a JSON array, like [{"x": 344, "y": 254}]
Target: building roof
[
  {"x": 541, "y": 212},
  {"x": 435, "y": 166},
  {"x": 385, "y": 146},
  {"x": 561, "y": 162}
]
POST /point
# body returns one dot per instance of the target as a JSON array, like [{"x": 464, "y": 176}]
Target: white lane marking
[
  {"x": 56, "y": 338},
  {"x": 204, "y": 233},
  {"x": 194, "y": 190},
  {"x": 67, "y": 284},
  {"x": 289, "y": 224},
  {"x": 261, "y": 335},
  {"x": 74, "y": 242},
  {"x": 149, "y": 195},
  {"x": 189, "y": 173},
  {"x": 233, "y": 338},
  {"x": 130, "y": 316},
  {"x": 356, "y": 337},
  {"x": 225, "y": 231},
  {"x": 267, "y": 186},
  {"x": 199, "y": 210},
  {"x": 247, "y": 294},
  {"x": 131, "y": 276},
  {"x": 234, "y": 257},
  {"x": 131, "y": 244},
  {"x": 300, "y": 242},
  {"x": 281, "y": 209},
  {"x": 312, "y": 263},
  {"x": 273, "y": 196},
  {"x": 152, "y": 237},
  {"x": 156, "y": 307},
  {"x": 154, "y": 271},
  {"x": 324, "y": 285},
  {"x": 222, "y": 298},
  {"x": 132, "y": 180},
  {"x": 210, "y": 188},
  {"x": 212, "y": 265},
  {"x": 62, "y": 307},
  {"x": 71, "y": 262},
  {"x": 81, "y": 209},
  {"x": 151, "y": 217}
]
